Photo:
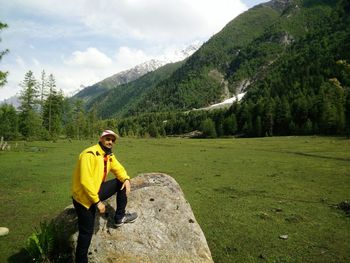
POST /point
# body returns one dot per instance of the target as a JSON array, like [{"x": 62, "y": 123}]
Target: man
[{"x": 90, "y": 188}]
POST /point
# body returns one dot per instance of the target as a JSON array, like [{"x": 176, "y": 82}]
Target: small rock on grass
[
  {"x": 284, "y": 237},
  {"x": 4, "y": 231}
]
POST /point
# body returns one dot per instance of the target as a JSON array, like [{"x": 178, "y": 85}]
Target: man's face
[{"x": 108, "y": 141}]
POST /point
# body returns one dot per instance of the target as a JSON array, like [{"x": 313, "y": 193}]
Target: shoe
[{"x": 127, "y": 218}]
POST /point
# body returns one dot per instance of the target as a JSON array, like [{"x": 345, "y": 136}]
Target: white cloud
[
  {"x": 20, "y": 62},
  {"x": 160, "y": 20},
  {"x": 91, "y": 57},
  {"x": 69, "y": 80},
  {"x": 36, "y": 62},
  {"x": 153, "y": 20},
  {"x": 127, "y": 57},
  {"x": 84, "y": 41}
]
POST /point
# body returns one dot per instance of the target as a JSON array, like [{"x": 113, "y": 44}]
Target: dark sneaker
[{"x": 127, "y": 218}]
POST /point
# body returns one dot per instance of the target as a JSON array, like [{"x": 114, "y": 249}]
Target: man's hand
[
  {"x": 127, "y": 186},
  {"x": 101, "y": 207}
]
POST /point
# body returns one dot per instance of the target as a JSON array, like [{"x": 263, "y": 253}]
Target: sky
[{"x": 82, "y": 42}]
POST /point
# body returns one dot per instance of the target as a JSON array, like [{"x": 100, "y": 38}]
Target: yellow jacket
[{"x": 89, "y": 172}]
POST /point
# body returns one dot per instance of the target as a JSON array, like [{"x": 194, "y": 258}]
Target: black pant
[{"x": 86, "y": 217}]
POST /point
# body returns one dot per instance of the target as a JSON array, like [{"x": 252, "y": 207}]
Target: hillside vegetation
[
  {"x": 244, "y": 49},
  {"x": 291, "y": 57},
  {"x": 122, "y": 97}
]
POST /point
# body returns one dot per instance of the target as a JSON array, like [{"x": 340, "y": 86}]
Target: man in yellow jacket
[{"x": 90, "y": 188}]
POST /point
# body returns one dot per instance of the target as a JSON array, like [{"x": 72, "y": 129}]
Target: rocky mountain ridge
[
  {"x": 126, "y": 76},
  {"x": 280, "y": 5}
]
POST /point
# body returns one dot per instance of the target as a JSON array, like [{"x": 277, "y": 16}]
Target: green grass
[{"x": 245, "y": 193}]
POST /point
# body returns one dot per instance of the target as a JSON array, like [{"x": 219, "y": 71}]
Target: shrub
[{"x": 45, "y": 244}]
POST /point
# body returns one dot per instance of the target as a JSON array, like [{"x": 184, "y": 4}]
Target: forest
[{"x": 303, "y": 90}]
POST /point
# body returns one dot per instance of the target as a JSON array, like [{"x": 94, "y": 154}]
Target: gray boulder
[{"x": 165, "y": 231}]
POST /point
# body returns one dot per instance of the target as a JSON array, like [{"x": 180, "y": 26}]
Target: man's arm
[{"x": 87, "y": 179}]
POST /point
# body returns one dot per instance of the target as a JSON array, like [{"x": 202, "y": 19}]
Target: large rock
[{"x": 165, "y": 231}]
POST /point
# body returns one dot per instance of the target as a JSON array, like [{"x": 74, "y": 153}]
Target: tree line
[
  {"x": 303, "y": 91},
  {"x": 327, "y": 113},
  {"x": 45, "y": 113}
]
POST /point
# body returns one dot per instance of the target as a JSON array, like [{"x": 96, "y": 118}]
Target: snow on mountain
[
  {"x": 136, "y": 72},
  {"x": 130, "y": 74},
  {"x": 14, "y": 101},
  {"x": 226, "y": 103},
  {"x": 151, "y": 65},
  {"x": 180, "y": 54}
]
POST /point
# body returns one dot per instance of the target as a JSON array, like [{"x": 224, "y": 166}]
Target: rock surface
[
  {"x": 4, "y": 231},
  {"x": 165, "y": 231}
]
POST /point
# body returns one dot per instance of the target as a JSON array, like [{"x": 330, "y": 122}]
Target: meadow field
[{"x": 257, "y": 200}]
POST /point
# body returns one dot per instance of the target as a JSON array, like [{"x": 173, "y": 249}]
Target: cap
[{"x": 109, "y": 132}]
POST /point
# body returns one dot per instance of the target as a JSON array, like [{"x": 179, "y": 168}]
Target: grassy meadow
[{"x": 245, "y": 193}]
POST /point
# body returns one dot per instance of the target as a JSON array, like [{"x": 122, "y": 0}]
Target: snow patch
[{"x": 226, "y": 103}]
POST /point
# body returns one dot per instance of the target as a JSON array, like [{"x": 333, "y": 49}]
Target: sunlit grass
[{"x": 245, "y": 193}]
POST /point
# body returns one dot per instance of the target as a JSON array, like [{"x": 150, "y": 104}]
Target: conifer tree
[
  {"x": 53, "y": 109},
  {"x": 30, "y": 121},
  {"x": 3, "y": 75},
  {"x": 268, "y": 117},
  {"x": 9, "y": 122},
  {"x": 42, "y": 89},
  {"x": 208, "y": 128},
  {"x": 230, "y": 125}
]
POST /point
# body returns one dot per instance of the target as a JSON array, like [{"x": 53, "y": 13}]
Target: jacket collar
[{"x": 101, "y": 151}]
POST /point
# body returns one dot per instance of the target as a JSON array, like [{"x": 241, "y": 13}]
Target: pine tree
[
  {"x": 268, "y": 117},
  {"x": 93, "y": 124},
  {"x": 152, "y": 130},
  {"x": 208, "y": 128},
  {"x": 42, "y": 89},
  {"x": 3, "y": 75},
  {"x": 53, "y": 109},
  {"x": 79, "y": 120},
  {"x": 47, "y": 110},
  {"x": 347, "y": 115},
  {"x": 30, "y": 121},
  {"x": 283, "y": 117},
  {"x": 230, "y": 125},
  {"x": 258, "y": 127},
  {"x": 9, "y": 122}
]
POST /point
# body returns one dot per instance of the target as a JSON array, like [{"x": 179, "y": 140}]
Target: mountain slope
[
  {"x": 119, "y": 100},
  {"x": 294, "y": 71},
  {"x": 90, "y": 93},
  {"x": 244, "y": 54},
  {"x": 201, "y": 80},
  {"x": 238, "y": 56}
]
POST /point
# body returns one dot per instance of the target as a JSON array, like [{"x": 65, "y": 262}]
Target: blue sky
[{"x": 82, "y": 42}]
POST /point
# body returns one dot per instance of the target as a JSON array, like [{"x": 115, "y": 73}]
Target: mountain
[
  {"x": 202, "y": 80},
  {"x": 14, "y": 101},
  {"x": 90, "y": 93},
  {"x": 123, "y": 98},
  {"x": 278, "y": 53},
  {"x": 239, "y": 56}
]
